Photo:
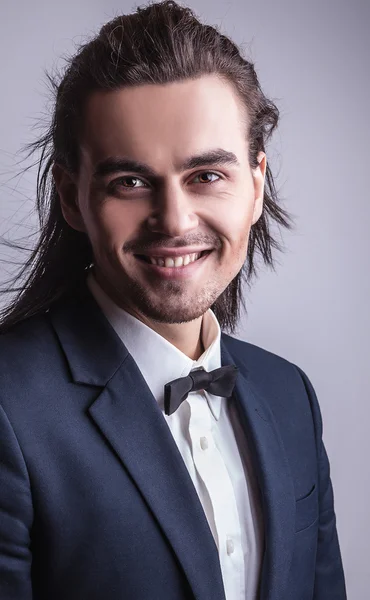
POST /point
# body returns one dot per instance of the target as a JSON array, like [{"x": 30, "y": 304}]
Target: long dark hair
[{"x": 159, "y": 43}]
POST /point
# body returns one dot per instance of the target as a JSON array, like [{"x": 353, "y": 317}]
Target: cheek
[
  {"x": 233, "y": 222},
  {"x": 110, "y": 223}
]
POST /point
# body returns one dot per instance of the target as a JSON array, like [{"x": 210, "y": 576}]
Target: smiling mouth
[{"x": 146, "y": 259}]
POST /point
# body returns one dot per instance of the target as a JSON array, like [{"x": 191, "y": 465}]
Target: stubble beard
[{"x": 171, "y": 302}]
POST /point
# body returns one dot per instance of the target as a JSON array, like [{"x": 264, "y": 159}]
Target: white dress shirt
[{"x": 210, "y": 439}]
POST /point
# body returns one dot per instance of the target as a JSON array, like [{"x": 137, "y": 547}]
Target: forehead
[{"x": 162, "y": 124}]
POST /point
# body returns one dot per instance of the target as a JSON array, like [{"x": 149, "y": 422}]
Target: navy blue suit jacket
[{"x": 95, "y": 500}]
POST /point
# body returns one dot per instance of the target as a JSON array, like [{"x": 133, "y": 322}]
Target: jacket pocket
[{"x": 307, "y": 510}]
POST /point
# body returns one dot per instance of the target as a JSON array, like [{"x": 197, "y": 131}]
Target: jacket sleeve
[
  {"x": 329, "y": 575},
  {"x": 16, "y": 515}
]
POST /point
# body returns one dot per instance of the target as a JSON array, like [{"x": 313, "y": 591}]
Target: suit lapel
[
  {"x": 130, "y": 419},
  {"x": 273, "y": 475}
]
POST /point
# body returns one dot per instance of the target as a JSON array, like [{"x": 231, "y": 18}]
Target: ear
[
  {"x": 259, "y": 185},
  {"x": 67, "y": 191}
]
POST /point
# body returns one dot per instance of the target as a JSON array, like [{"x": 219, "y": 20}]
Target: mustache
[{"x": 148, "y": 246}]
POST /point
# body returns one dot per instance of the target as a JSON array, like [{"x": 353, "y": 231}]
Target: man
[{"x": 145, "y": 453}]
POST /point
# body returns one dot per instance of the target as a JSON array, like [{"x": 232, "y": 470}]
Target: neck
[{"x": 186, "y": 337}]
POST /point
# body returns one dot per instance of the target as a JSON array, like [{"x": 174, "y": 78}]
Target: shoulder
[
  {"x": 23, "y": 335},
  {"x": 259, "y": 361},
  {"x": 284, "y": 383},
  {"x": 27, "y": 351}
]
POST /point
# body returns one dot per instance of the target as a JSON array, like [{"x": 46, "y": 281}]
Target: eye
[
  {"x": 208, "y": 173},
  {"x": 120, "y": 182}
]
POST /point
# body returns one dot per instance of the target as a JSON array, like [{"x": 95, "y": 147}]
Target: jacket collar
[{"x": 93, "y": 350}]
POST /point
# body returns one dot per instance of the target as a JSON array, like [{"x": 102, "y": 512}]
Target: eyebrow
[{"x": 215, "y": 157}]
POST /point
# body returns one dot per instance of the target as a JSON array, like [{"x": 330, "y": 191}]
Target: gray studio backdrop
[{"x": 312, "y": 58}]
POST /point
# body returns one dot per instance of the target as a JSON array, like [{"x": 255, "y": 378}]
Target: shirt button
[
  {"x": 230, "y": 546},
  {"x": 203, "y": 443}
]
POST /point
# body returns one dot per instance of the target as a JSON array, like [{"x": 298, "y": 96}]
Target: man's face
[{"x": 126, "y": 212}]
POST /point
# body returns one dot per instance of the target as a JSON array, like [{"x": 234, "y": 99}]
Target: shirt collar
[{"x": 158, "y": 360}]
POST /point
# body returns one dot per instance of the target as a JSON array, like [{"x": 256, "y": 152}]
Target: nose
[{"x": 173, "y": 212}]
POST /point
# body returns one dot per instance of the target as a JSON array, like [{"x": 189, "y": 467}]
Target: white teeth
[{"x": 176, "y": 261}]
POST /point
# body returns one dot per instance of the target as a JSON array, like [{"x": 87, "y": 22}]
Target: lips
[
  {"x": 179, "y": 273},
  {"x": 147, "y": 258}
]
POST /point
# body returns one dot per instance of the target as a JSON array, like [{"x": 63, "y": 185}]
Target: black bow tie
[{"x": 219, "y": 382}]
